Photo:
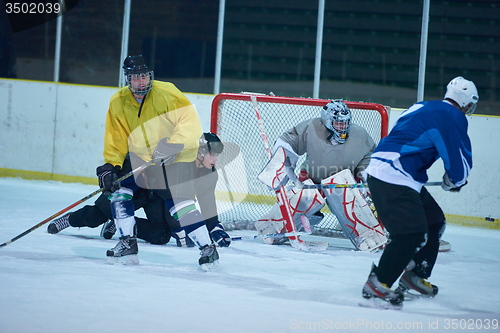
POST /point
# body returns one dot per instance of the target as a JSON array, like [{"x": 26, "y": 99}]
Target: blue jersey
[{"x": 425, "y": 132}]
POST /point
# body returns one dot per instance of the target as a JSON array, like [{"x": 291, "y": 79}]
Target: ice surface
[{"x": 62, "y": 283}]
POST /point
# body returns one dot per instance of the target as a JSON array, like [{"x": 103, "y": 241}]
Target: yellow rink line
[{"x": 468, "y": 221}]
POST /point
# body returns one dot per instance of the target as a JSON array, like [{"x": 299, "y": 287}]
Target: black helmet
[
  {"x": 136, "y": 65},
  {"x": 210, "y": 143}
]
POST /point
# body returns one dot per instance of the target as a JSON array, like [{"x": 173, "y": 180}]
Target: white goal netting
[{"x": 240, "y": 196}]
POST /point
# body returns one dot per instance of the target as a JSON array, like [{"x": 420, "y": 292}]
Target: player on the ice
[
  {"x": 397, "y": 172},
  {"x": 336, "y": 149},
  {"x": 150, "y": 119},
  {"x": 156, "y": 228}
]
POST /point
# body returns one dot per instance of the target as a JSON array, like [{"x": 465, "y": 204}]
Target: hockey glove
[
  {"x": 448, "y": 185},
  {"x": 220, "y": 236},
  {"x": 165, "y": 152},
  {"x": 107, "y": 175},
  {"x": 182, "y": 238}
]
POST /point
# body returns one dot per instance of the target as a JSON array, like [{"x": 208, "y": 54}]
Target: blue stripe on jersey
[{"x": 391, "y": 163}]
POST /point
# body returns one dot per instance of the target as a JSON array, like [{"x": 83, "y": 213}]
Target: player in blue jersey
[{"x": 396, "y": 175}]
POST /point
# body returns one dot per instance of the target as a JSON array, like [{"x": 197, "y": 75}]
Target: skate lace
[
  {"x": 111, "y": 227},
  {"x": 62, "y": 223},
  {"x": 122, "y": 245},
  {"x": 206, "y": 250}
]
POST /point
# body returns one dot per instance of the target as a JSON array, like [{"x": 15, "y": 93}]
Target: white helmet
[
  {"x": 336, "y": 117},
  {"x": 464, "y": 93}
]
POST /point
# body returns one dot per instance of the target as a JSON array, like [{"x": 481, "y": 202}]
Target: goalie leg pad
[
  {"x": 303, "y": 202},
  {"x": 271, "y": 223},
  {"x": 355, "y": 216}
]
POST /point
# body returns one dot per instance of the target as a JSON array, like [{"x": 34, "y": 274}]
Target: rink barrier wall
[{"x": 54, "y": 131}]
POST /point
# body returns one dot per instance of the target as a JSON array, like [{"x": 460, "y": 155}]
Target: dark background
[{"x": 370, "y": 48}]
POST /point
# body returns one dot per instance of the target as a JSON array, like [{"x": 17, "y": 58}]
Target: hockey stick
[
  {"x": 286, "y": 234},
  {"x": 283, "y": 202},
  {"x": 119, "y": 180},
  {"x": 357, "y": 185}
]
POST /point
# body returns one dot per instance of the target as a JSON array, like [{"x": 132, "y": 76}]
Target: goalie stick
[
  {"x": 283, "y": 202},
  {"x": 357, "y": 185},
  {"x": 119, "y": 180}
]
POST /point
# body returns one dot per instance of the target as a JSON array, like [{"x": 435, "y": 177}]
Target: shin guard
[{"x": 123, "y": 210}]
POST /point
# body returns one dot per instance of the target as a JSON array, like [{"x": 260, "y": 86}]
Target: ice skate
[
  {"x": 209, "y": 257},
  {"x": 379, "y": 295},
  {"x": 414, "y": 286},
  {"x": 124, "y": 252},
  {"x": 59, "y": 224},
  {"x": 108, "y": 229},
  {"x": 444, "y": 246}
]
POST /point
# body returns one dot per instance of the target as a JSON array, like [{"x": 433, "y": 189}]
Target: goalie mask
[
  {"x": 138, "y": 76},
  {"x": 336, "y": 117},
  {"x": 464, "y": 93}
]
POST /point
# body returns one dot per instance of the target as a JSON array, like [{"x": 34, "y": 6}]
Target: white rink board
[
  {"x": 27, "y": 111},
  {"x": 59, "y": 128}
]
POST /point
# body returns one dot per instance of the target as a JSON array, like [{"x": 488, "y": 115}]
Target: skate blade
[
  {"x": 410, "y": 296},
  {"x": 378, "y": 303},
  {"x": 126, "y": 260},
  {"x": 210, "y": 266}
]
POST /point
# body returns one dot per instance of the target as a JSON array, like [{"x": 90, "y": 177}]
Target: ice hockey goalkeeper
[{"x": 337, "y": 152}]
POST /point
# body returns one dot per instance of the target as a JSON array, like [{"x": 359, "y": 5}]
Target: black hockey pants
[
  {"x": 155, "y": 229},
  {"x": 412, "y": 219}
]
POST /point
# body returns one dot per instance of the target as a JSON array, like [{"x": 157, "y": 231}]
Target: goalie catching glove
[{"x": 165, "y": 152}]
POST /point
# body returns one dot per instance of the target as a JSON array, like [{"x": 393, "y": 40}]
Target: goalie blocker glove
[
  {"x": 107, "y": 175},
  {"x": 166, "y": 152}
]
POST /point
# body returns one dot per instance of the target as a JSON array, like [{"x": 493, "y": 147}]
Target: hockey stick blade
[
  {"x": 308, "y": 246},
  {"x": 236, "y": 238},
  {"x": 119, "y": 180}
]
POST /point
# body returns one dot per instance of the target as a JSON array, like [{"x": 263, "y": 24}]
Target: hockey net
[{"x": 241, "y": 198}]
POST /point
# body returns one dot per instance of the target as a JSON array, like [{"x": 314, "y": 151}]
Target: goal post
[{"x": 240, "y": 196}]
